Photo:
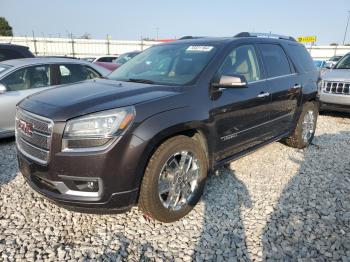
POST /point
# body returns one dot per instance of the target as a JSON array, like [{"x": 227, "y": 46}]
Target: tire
[
  {"x": 151, "y": 202},
  {"x": 297, "y": 140}
]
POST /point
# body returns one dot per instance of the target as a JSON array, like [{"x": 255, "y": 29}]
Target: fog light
[{"x": 89, "y": 186}]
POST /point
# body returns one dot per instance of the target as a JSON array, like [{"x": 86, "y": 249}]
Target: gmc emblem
[{"x": 25, "y": 127}]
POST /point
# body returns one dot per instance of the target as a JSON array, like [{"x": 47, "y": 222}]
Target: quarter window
[
  {"x": 242, "y": 61},
  {"x": 28, "y": 78},
  {"x": 275, "y": 60}
]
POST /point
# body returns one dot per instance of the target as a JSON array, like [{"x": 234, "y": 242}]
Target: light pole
[
  {"x": 157, "y": 29},
  {"x": 346, "y": 28}
]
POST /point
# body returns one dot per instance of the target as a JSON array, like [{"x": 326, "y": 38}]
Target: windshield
[
  {"x": 122, "y": 59},
  {"x": 335, "y": 58},
  {"x": 166, "y": 64},
  {"x": 344, "y": 63},
  {"x": 4, "y": 68}
]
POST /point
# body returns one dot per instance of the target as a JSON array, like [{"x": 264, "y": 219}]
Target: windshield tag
[{"x": 199, "y": 48}]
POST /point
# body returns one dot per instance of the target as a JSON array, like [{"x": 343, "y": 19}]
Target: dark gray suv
[{"x": 151, "y": 132}]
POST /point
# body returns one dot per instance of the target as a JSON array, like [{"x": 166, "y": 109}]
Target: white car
[{"x": 20, "y": 78}]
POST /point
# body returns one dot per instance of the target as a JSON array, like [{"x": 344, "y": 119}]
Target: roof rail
[
  {"x": 190, "y": 37},
  {"x": 265, "y": 35}
]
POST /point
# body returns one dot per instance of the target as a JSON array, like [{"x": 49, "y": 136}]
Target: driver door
[
  {"x": 242, "y": 114},
  {"x": 20, "y": 84}
]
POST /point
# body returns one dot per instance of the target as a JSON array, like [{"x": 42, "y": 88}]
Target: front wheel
[
  {"x": 306, "y": 126},
  {"x": 174, "y": 179}
]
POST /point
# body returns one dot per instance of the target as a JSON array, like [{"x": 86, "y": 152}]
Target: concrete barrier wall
[
  {"x": 77, "y": 47},
  {"x": 95, "y": 47}
]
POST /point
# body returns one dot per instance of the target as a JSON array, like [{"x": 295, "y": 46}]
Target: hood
[
  {"x": 338, "y": 75},
  {"x": 68, "y": 101}
]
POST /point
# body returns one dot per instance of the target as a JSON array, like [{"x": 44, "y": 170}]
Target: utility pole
[{"x": 346, "y": 28}]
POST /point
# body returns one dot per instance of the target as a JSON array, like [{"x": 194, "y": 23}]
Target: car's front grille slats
[
  {"x": 33, "y": 136},
  {"x": 334, "y": 87}
]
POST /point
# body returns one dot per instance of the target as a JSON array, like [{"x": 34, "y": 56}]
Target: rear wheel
[
  {"x": 174, "y": 179},
  {"x": 306, "y": 126}
]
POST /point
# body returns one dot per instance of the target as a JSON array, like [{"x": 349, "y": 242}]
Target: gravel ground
[{"x": 278, "y": 203}]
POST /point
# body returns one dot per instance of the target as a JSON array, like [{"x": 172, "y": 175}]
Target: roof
[
  {"x": 40, "y": 60},
  {"x": 9, "y": 45}
]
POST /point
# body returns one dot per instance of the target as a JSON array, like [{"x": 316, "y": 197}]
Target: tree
[
  {"x": 5, "y": 28},
  {"x": 333, "y": 44}
]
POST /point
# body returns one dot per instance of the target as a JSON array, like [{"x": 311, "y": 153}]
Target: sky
[{"x": 132, "y": 19}]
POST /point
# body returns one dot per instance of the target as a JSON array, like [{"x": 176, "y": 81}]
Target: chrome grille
[
  {"x": 36, "y": 142},
  {"x": 340, "y": 88}
]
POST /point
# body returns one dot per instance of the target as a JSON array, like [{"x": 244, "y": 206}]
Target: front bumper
[{"x": 117, "y": 170}]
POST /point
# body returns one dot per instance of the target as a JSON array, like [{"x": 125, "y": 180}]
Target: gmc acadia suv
[{"x": 151, "y": 132}]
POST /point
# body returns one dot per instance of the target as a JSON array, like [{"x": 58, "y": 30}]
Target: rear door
[
  {"x": 284, "y": 84},
  {"x": 20, "y": 84},
  {"x": 241, "y": 114}
]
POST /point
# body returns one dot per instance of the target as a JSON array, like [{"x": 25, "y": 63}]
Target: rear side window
[
  {"x": 302, "y": 57},
  {"x": 275, "y": 60}
]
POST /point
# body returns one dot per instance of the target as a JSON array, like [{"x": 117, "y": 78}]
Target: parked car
[
  {"x": 10, "y": 51},
  {"x": 150, "y": 133},
  {"x": 332, "y": 61},
  {"x": 335, "y": 87},
  {"x": 22, "y": 77}
]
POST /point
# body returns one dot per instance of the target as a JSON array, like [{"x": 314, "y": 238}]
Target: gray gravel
[{"x": 276, "y": 204}]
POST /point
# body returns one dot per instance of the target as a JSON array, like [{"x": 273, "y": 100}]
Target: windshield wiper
[{"x": 138, "y": 80}]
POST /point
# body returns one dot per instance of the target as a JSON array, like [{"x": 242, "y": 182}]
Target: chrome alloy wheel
[
  {"x": 308, "y": 127},
  {"x": 178, "y": 180}
]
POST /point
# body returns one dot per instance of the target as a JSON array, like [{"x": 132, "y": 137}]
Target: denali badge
[{"x": 25, "y": 127}]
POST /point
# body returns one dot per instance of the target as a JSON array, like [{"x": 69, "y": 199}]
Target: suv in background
[
  {"x": 334, "y": 89},
  {"x": 151, "y": 132},
  {"x": 10, "y": 51}
]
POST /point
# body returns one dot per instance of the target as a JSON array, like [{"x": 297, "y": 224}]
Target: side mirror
[
  {"x": 2, "y": 89},
  {"x": 235, "y": 81}
]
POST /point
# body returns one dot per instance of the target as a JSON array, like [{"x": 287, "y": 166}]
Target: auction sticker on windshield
[{"x": 199, "y": 48}]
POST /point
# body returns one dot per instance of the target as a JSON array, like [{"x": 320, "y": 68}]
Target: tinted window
[
  {"x": 28, "y": 78},
  {"x": 6, "y": 54},
  {"x": 275, "y": 60},
  {"x": 302, "y": 57},
  {"x": 107, "y": 59},
  {"x": 70, "y": 73},
  {"x": 242, "y": 61}
]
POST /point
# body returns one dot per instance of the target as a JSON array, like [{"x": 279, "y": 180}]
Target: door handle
[
  {"x": 263, "y": 94},
  {"x": 296, "y": 86}
]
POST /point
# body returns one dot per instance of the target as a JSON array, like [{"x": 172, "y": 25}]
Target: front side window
[
  {"x": 71, "y": 73},
  {"x": 275, "y": 60},
  {"x": 91, "y": 73},
  {"x": 28, "y": 78},
  {"x": 177, "y": 64},
  {"x": 242, "y": 60}
]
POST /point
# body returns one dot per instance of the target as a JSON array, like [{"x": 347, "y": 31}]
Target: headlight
[{"x": 96, "y": 130}]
